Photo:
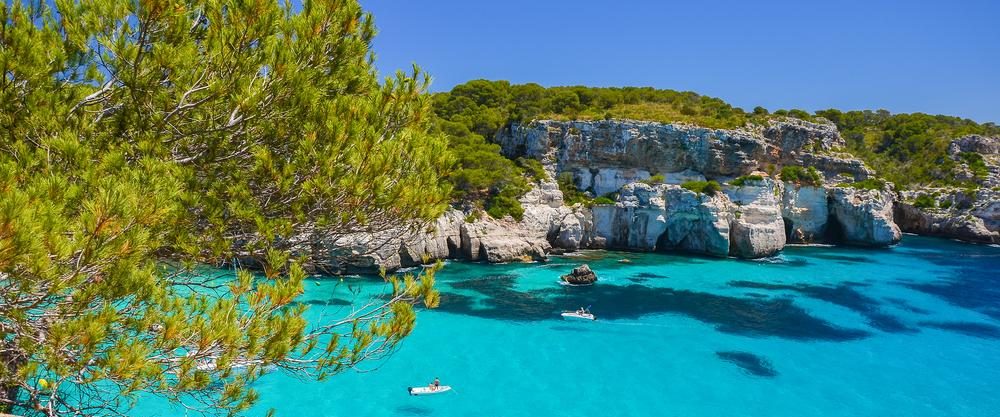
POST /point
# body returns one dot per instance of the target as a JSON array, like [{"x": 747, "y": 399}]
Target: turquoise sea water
[{"x": 817, "y": 331}]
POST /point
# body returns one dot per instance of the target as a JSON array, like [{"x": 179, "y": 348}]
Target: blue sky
[{"x": 903, "y": 56}]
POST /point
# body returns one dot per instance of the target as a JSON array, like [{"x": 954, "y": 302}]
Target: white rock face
[
  {"x": 602, "y": 181},
  {"x": 865, "y": 216},
  {"x": 807, "y": 211},
  {"x": 441, "y": 240},
  {"x": 633, "y": 145},
  {"x": 757, "y": 229},
  {"x": 664, "y": 217},
  {"x": 697, "y": 222},
  {"x": 500, "y": 241}
]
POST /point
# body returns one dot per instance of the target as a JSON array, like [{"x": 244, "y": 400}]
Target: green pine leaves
[{"x": 140, "y": 139}]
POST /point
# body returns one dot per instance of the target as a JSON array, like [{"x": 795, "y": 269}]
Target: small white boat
[
  {"x": 573, "y": 315},
  {"x": 428, "y": 390}
]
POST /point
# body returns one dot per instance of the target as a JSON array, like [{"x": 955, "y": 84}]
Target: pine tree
[{"x": 139, "y": 139}]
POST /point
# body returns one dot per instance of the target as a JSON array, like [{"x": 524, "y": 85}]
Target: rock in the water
[
  {"x": 864, "y": 216},
  {"x": 581, "y": 275}
]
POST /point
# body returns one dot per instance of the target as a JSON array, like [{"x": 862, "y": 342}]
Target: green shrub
[
  {"x": 739, "y": 182},
  {"x": 702, "y": 187},
  {"x": 976, "y": 164},
  {"x": 946, "y": 204},
  {"x": 800, "y": 175},
  {"x": 655, "y": 179},
  {"x": 571, "y": 195},
  {"x": 924, "y": 201},
  {"x": 603, "y": 200},
  {"x": 868, "y": 184},
  {"x": 533, "y": 168},
  {"x": 505, "y": 203}
]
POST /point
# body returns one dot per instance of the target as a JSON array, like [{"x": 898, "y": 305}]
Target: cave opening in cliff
[
  {"x": 663, "y": 243},
  {"x": 789, "y": 227},
  {"x": 834, "y": 232}
]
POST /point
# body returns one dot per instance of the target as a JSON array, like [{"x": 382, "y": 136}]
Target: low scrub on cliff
[
  {"x": 741, "y": 181},
  {"x": 571, "y": 194},
  {"x": 702, "y": 187},
  {"x": 975, "y": 163},
  {"x": 655, "y": 179},
  {"x": 924, "y": 201},
  {"x": 801, "y": 175},
  {"x": 868, "y": 184}
]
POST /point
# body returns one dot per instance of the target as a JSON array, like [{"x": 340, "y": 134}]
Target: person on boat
[
  {"x": 436, "y": 384},
  {"x": 580, "y": 311}
]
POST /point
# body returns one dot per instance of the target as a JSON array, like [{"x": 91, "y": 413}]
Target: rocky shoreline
[{"x": 643, "y": 166}]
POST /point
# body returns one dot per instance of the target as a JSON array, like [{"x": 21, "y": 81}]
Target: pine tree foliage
[{"x": 141, "y": 138}]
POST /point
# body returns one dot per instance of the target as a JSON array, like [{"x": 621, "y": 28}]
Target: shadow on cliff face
[
  {"x": 843, "y": 295},
  {"x": 778, "y": 317}
]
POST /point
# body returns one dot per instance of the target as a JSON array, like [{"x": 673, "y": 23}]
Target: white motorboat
[
  {"x": 576, "y": 315},
  {"x": 428, "y": 390}
]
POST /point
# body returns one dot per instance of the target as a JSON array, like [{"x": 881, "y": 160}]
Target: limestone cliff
[
  {"x": 642, "y": 166},
  {"x": 754, "y": 219}
]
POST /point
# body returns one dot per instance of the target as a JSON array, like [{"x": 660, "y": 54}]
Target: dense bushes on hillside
[
  {"x": 485, "y": 106},
  {"x": 908, "y": 149}
]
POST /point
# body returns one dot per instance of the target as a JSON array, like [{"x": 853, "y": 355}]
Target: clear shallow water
[{"x": 817, "y": 331}]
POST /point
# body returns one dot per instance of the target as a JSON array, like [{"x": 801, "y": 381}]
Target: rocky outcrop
[
  {"x": 506, "y": 240},
  {"x": 972, "y": 216},
  {"x": 961, "y": 213},
  {"x": 805, "y": 212},
  {"x": 581, "y": 275},
  {"x": 757, "y": 228},
  {"x": 392, "y": 249},
  {"x": 500, "y": 241},
  {"x": 864, "y": 217},
  {"x": 984, "y": 145}
]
